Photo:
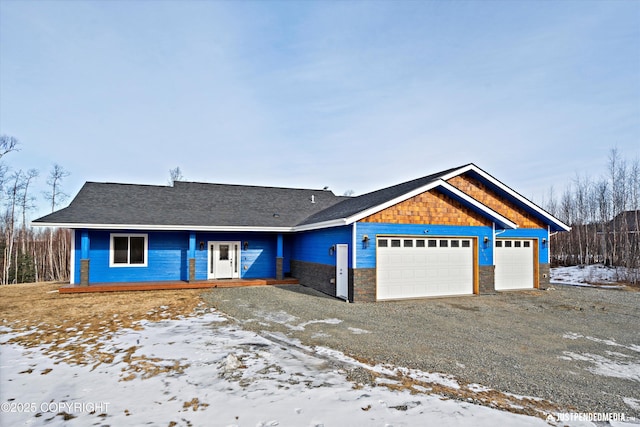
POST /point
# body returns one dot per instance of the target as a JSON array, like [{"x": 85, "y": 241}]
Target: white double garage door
[{"x": 410, "y": 267}]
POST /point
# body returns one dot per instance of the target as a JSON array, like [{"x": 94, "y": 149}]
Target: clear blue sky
[{"x": 350, "y": 94}]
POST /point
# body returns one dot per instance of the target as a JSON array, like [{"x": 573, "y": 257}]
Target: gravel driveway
[{"x": 577, "y": 347}]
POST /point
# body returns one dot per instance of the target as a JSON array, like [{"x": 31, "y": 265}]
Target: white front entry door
[
  {"x": 223, "y": 260},
  {"x": 342, "y": 271}
]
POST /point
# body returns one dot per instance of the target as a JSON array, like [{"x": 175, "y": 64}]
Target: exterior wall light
[
  {"x": 332, "y": 250},
  {"x": 486, "y": 240},
  {"x": 202, "y": 246},
  {"x": 246, "y": 245},
  {"x": 544, "y": 241},
  {"x": 365, "y": 241}
]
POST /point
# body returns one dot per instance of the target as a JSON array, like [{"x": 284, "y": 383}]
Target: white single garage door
[
  {"x": 423, "y": 267},
  {"x": 514, "y": 264}
]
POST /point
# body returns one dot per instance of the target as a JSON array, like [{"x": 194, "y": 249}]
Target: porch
[{"x": 169, "y": 285}]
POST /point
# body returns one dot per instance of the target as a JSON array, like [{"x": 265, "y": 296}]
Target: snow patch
[
  {"x": 358, "y": 331},
  {"x": 606, "y": 366},
  {"x": 207, "y": 371},
  {"x": 631, "y": 402},
  {"x": 587, "y": 276}
]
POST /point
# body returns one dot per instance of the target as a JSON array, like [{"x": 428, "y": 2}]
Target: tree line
[
  {"x": 604, "y": 215},
  {"x": 28, "y": 254}
]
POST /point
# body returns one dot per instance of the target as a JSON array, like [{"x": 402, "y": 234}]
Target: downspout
[
  {"x": 549, "y": 244},
  {"x": 354, "y": 240}
]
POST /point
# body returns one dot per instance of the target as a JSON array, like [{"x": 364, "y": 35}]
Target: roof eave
[
  {"x": 151, "y": 227},
  {"x": 324, "y": 224}
]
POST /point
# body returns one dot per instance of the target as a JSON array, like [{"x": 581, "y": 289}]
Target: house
[
  {"x": 627, "y": 222},
  {"x": 456, "y": 232}
]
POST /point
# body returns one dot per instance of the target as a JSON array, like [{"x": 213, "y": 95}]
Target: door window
[{"x": 224, "y": 252}]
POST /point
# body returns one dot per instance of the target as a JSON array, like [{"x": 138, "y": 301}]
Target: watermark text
[{"x": 74, "y": 407}]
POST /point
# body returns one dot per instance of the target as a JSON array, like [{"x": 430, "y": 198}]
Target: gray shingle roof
[
  {"x": 191, "y": 204},
  {"x": 354, "y": 205},
  {"x": 201, "y": 205}
]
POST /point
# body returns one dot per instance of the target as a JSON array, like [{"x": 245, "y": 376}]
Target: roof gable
[
  {"x": 514, "y": 198},
  {"x": 430, "y": 207}
]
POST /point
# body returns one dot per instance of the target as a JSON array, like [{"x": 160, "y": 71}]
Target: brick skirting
[
  {"x": 84, "y": 272},
  {"x": 544, "y": 270},
  {"x": 487, "y": 279},
  {"x": 320, "y": 277},
  {"x": 364, "y": 285}
]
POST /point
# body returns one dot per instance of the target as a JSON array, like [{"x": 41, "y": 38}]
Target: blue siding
[
  {"x": 168, "y": 256},
  {"x": 367, "y": 257},
  {"x": 288, "y": 250},
  {"x": 77, "y": 257},
  {"x": 313, "y": 246},
  {"x": 258, "y": 261},
  {"x": 168, "y": 251}
]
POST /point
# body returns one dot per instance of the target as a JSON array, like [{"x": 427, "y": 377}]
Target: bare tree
[
  {"x": 8, "y": 144},
  {"x": 27, "y": 203},
  {"x": 56, "y": 195},
  {"x": 605, "y": 218},
  {"x": 14, "y": 189},
  {"x": 175, "y": 174}
]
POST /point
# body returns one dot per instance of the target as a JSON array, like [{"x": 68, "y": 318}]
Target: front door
[
  {"x": 223, "y": 260},
  {"x": 342, "y": 271}
]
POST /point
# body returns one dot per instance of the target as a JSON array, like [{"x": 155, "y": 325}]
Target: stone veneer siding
[
  {"x": 192, "y": 269},
  {"x": 84, "y": 272},
  {"x": 364, "y": 285},
  {"x": 279, "y": 268},
  {"x": 487, "y": 279},
  {"x": 544, "y": 270},
  {"x": 320, "y": 277}
]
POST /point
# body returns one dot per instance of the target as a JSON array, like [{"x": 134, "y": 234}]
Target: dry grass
[
  {"x": 35, "y": 304},
  {"x": 43, "y": 316}
]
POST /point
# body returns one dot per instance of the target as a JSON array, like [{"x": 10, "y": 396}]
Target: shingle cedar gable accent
[
  {"x": 491, "y": 199},
  {"x": 431, "y": 207}
]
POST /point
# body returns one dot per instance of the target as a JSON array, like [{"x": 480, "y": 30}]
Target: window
[
  {"x": 526, "y": 244},
  {"x": 128, "y": 250},
  {"x": 408, "y": 243},
  {"x": 466, "y": 243},
  {"x": 498, "y": 244},
  {"x": 444, "y": 243},
  {"x": 382, "y": 243},
  {"x": 455, "y": 243},
  {"x": 395, "y": 243},
  {"x": 420, "y": 243},
  {"x": 507, "y": 243},
  {"x": 433, "y": 243},
  {"x": 517, "y": 244}
]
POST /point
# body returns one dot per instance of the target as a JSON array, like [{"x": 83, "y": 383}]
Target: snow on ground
[
  {"x": 611, "y": 363},
  {"x": 205, "y": 370},
  {"x": 587, "y": 275}
]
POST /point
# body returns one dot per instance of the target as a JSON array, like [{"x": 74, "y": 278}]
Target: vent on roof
[{"x": 313, "y": 198}]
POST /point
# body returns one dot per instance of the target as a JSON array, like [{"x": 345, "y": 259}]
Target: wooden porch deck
[{"x": 156, "y": 286}]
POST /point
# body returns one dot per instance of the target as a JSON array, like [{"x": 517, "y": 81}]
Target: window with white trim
[{"x": 128, "y": 250}]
